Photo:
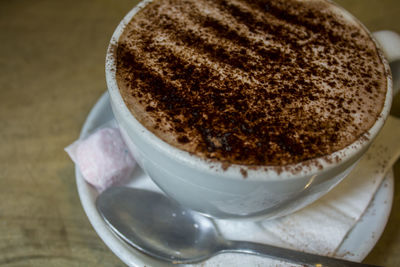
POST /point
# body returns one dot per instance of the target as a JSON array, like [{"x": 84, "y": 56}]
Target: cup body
[{"x": 238, "y": 191}]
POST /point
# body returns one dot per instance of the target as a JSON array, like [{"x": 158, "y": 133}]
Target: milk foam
[{"x": 251, "y": 82}]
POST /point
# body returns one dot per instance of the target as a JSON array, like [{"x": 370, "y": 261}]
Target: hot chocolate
[{"x": 253, "y": 82}]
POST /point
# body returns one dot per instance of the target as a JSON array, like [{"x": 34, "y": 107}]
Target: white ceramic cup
[{"x": 206, "y": 187}]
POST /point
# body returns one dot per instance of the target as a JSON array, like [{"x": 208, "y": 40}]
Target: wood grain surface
[{"x": 51, "y": 73}]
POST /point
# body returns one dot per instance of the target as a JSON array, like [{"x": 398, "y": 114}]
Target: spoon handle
[{"x": 287, "y": 255}]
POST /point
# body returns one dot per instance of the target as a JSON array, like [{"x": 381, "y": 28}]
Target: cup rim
[{"x": 309, "y": 167}]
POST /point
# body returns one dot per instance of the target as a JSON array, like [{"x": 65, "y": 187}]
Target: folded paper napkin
[{"x": 319, "y": 228}]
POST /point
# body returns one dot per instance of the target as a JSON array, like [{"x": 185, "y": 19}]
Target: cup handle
[{"x": 390, "y": 44}]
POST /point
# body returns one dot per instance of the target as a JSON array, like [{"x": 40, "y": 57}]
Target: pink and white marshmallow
[{"x": 103, "y": 158}]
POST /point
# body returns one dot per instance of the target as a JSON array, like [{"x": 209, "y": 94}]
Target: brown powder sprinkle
[{"x": 254, "y": 82}]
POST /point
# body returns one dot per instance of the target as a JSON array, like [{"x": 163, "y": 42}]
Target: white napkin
[{"x": 321, "y": 227}]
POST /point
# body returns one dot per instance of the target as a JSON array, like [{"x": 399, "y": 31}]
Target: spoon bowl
[{"x": 159, "y": 226}]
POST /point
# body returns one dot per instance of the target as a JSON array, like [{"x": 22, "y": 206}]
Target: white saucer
[{"x": 355, "y": 247}]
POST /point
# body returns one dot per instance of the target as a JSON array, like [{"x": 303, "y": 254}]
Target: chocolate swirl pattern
[{"x": 254, "y": 82}]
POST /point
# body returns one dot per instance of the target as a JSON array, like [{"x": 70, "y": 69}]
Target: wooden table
[{"x": 51, "y": 74}]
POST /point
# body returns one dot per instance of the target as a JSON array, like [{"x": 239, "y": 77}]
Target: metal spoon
[{"x": 159, "y": 227}]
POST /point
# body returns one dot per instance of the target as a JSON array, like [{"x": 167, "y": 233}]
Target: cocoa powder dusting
[{"x": 258, "y": 82}]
